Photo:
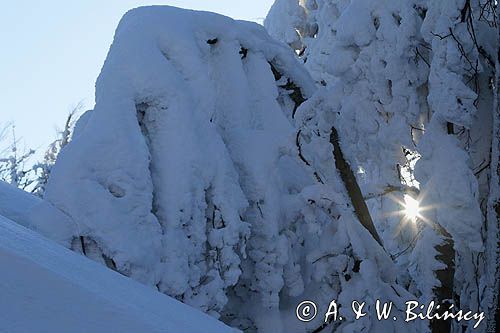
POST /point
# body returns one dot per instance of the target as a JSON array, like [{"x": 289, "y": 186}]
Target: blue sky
[{"x": 52, "y": 52}]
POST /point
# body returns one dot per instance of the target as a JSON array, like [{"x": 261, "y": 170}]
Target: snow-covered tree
[
  {"x": 44, "y": 167},
  {"x": 413, "y": 77},
  {"x": 185, "y": 174},
  {"x": 14, "y": 167},
  {"x": 17, "y": 166},
  {"x": 219, "y": 169},
  {"x": 192, "y": 175}
]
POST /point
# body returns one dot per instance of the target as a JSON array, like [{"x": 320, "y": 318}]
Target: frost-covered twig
[{"x": 395, "y": 188}]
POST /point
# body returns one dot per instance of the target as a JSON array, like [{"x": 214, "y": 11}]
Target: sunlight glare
[{"x": 411, "y": 208}]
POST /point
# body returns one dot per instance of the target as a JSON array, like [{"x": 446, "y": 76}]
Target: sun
[{"x": 411, "y": 208}]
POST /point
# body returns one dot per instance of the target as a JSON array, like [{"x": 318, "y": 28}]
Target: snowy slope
[
  {"x": 36, "y": 214},
  {"x": 15, "y": 203},
  {"x": 47, "y": 288}
]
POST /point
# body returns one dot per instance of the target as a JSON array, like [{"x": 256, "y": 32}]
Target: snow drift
[
  {"x": 48, "y": 288},
  {"x": 36, "y": 214}
]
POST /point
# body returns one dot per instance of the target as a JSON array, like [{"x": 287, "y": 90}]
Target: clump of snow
[{"x": 286, "y": 21}]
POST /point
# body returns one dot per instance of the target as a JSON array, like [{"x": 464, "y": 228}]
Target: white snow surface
[
  {"x": 36, "y": 214},
  {"x": 48, "y": 288}
]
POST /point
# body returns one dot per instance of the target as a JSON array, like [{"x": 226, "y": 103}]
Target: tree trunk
[
  {"x": 444, "y": 293},
  {"x": 352, "y": 186}
]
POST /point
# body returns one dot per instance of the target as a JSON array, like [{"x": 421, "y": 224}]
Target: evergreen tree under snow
[{"x": 243, "y": 171}]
